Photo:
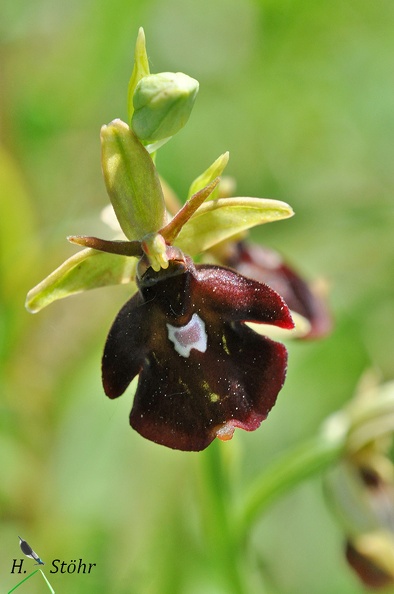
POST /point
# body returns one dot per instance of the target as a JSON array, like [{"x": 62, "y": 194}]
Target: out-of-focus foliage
[{"x": 300, "y": 93}]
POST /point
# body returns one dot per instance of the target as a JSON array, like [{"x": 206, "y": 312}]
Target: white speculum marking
[{"x": 188, "y": 337}]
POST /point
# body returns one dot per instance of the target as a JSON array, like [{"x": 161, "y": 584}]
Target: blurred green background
[{"x": 302, "y": 95}]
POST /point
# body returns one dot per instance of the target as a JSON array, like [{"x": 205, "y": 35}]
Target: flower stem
[
  {"x": 295, "y": 466},
  {"x": 217, "y": 511}
]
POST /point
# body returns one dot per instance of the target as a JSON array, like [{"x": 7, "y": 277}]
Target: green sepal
[
  {"x": 132, "y": 181},
  {"x": 162, "y": 105},
  {"x": 88, "y": 269},
  {"x": 213, "y": 171},
  {"x": 141, "y": 69},
  {"x": 218, "y": 220}
]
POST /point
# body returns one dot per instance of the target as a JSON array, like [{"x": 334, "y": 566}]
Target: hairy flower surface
[{"x": 202, "y": 372}]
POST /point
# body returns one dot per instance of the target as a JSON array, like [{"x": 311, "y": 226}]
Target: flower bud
[
  {"x": 162, "y": 105},
  {"x": 361, "y": 487}
]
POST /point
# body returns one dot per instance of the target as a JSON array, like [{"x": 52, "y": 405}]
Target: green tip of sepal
[
  {"x": 132, "y": 181},
  {"x": 141, "y": 69},
  {"x": 162, "y": 105}
]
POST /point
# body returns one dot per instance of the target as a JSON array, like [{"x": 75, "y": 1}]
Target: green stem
[
  {"x": 295, "y": 466},
  {"x": 31, "y": 575},
  {"x": 217, "y": 512},
  {"x": 45, "y": 578},
  {"x": 361, "y": 422},
  {"x": 24, "y": 580}
]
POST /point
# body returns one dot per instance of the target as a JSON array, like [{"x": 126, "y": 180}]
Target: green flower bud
[{"x": 162, "y": 105}]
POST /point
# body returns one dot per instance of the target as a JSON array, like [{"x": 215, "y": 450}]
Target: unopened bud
[{"x": 162, "y": 105}]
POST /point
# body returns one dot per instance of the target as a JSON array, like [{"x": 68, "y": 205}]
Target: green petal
[
  {"x": 218, "y": 220},
  {"x": 213, "y": 171},
  {"x": 88, "y": 269},
  {"x": 132, "y": 181},
  {"x": 141, "y": 69}
]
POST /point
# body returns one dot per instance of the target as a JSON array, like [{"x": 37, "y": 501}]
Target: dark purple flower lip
[{"x": 202, "y": 371}]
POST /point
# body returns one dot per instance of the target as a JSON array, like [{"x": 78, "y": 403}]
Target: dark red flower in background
[
  {"x": 202, "y": 371},
  {"x": 267, "y": 266}
]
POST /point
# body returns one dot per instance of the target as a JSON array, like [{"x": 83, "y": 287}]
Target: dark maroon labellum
[{"x": 201, "y": 370}]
